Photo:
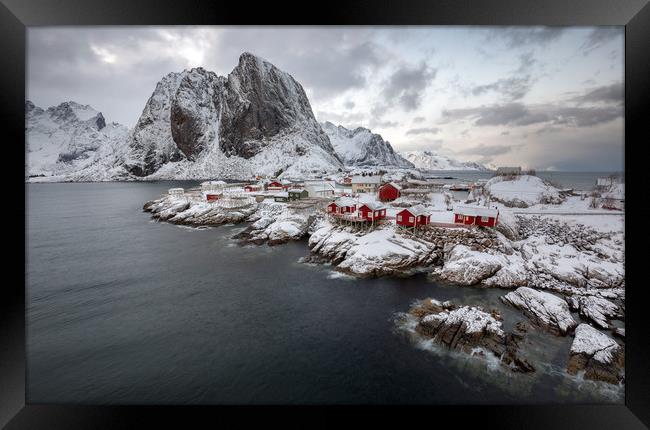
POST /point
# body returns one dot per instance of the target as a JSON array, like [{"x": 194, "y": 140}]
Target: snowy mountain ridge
[
  {"x": 70, "y": 140},
  {"x": 362, "y": 147},
  {"x": 429, "y": 160}
]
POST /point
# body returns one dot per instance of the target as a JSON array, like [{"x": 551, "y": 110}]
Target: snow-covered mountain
[
  {"x": 72, "y": 141},
  {"x": 362, "y": 147},
  {"x": 257, "y": 120},
  {"x": 428, "y": 160}
]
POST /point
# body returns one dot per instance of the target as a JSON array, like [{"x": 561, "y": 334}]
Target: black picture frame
[{"x": 16, "y": 15}]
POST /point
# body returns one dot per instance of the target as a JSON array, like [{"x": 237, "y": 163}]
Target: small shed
[
  {"x": 476, "y": 215},
  {"x": 297, "y": 194},
  {"x": 372, "y": 211},
  {"x": 252, "y": 188},
  {"x": 176, "y": 192},
  {"x": 389, "y": 192},
  {"x": 413, "y": 216},
  {"x": 281, "y": 197}
]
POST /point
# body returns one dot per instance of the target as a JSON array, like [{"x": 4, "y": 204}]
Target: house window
[
  {"x": 399, "y": 217},
  {"x": 411, "y": 219},
  {"x": 485, "y": 219}
]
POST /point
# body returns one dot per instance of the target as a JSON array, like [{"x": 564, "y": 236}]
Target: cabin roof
[
  {"x": 417, "y": 210},
  {"x": 345, "y": 202},
  {"x": 282, "y": 194},
  {"x": 475, "y": 211},
  {"x": 373, "y": 206},
  {"x": 394, "y": 185}
]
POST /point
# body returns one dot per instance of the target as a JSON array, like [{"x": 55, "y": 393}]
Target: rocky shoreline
[{"x": 560, "y": 273}]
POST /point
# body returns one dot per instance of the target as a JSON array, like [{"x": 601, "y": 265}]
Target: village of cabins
[{"x": 362, "y": 200}]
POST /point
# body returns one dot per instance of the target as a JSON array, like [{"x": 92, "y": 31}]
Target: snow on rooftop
[
  {"x": 345, "y": 202},
  {"x": 359, "y": 179},
  {"x": 418, "y": 210},
  {"x": 374, "y": 206},
  {"x": 393, "y": 184},
  {"x": 475, "y": 211}
]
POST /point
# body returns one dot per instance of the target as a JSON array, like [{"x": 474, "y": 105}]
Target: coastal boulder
[
  {"x": 468, "y": 329},
  {"x": 545, "y": 309},
  {"x": 598, "y": 355}
]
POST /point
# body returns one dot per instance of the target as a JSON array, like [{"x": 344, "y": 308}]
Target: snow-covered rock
[
  {"x": 196, "y": 212},
  {"x": 522, "y": 191},
  {"x": 545, "y": 309},
  {"x": 598, "y": 355},
  {"x": 277, "y": 223},
  {"x": 380, "y": 252},
  {"x": 72, "y": 142},
  {"x": 597, "y": 309},
  {"x": 429, "y": 160},
  {"x": 468, "y": 329},
  {"x": 465, "y": 266},
  {"x": 362, "y": 147}
]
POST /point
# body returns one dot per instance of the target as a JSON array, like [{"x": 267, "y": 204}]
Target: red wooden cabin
[
  {"x": 389, "y": 192},
  {"x": 251, "y": 188},
  {"x": 413, "y": 217},
  {"x": 372, "y": 211},
  {"x": 476, "y": 215},
  {"x": 342, "y": 206}
]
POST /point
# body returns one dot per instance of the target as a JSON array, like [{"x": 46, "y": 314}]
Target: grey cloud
[
  {"x": 418, "y": 119},
  {"x": 424, "y": 130},
  {"x": 600, "y": 36},
  {"x": 349, "y": 104},
  {"x": 486, "y": 150},
  {"x": 517, "y": 114},
  {"x": 512, "y": 88},
  {"x": 606, "y": 94},
  {"x": 515, "y": 87},
  {"x": 406, "y": 85},
  {"x": 377, "y": 123},
  {"x": 521, "y": 36}
]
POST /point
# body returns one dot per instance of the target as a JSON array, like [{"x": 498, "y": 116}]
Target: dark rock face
[
  {"x": 100, "y": 121},
  {"x": 195, "y": 109},
  {"x": 262, "y": 101}
]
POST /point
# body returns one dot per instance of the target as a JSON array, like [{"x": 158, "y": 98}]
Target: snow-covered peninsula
[{"x": 562, "y": 270}]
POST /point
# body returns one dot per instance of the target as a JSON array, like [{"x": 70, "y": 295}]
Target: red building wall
[{"x": 387, "y": 192}]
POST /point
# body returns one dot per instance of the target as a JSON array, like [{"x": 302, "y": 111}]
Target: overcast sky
[{"x": 541, "y": 97}]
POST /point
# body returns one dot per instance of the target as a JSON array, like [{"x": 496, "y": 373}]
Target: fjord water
[{"x": 124, "y": 310}]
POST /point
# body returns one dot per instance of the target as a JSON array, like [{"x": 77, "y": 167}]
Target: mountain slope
[
  {"x": 362, "y": 147},
  {"x": 428, "y": 160},
  {"x": 257, "y": 120},
  {"x": 72, "y": 141}
]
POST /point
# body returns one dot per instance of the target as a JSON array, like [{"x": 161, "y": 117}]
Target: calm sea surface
[{"x": 121, "y": 309}]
